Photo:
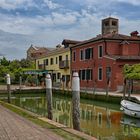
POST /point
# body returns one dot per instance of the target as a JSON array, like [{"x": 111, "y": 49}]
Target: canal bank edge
[
  {"x": 68, "y": 129},
  {"x": 99, "y": 96},
  {"x": 58, "y": 128}
]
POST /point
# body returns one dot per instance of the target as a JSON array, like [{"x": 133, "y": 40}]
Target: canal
[{"x": 101, "y": 120}]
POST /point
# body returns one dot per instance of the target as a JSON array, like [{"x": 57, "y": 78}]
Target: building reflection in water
[{"x": 102, "y": 120}]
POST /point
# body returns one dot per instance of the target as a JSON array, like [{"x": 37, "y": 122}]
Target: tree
[
  {"x": 26, "y": 63},
  {"x": 132, "y": 72},
  {"x": 14, "y": 68},
  {"x": 4, "y": 61},
  {"x": 15, "y": 64}
]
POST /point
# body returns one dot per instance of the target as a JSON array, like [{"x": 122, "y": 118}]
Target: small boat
[{"x": 131, "y": 106}]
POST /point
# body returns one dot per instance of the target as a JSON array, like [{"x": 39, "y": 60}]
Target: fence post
[
  {"x": 76, "y": 101},
  {"x": 49, "y": 96}
]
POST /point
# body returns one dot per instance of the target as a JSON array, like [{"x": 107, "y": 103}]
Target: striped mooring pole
[
  {"x": 49, "y": 96},
  {"x": 8, "y": 80},
  {"x": 76, "y": 101}
]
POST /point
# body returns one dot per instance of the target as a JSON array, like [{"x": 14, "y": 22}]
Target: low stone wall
[{"x": 90, "y": 96}]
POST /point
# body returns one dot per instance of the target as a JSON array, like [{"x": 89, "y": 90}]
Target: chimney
[
  {"x": 134, "y": 33},
  {"x": 58, "y": 46}
]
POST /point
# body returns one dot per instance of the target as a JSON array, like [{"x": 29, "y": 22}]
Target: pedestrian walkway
[{"x": 15, "y": 127}]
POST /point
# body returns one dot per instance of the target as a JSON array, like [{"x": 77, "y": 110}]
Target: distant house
[
  {"x": 35, "y": 52},
  {"x": 99, "y": 61}
]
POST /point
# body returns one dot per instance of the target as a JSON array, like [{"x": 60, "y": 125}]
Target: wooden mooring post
[
  {"x": 20, "y": 83},
  {"x": 49, "y": 96},
  {"x": 8, "y": 80},
  {"x": 76, "y": 101}
]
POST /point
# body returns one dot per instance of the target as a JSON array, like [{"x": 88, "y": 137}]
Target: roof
[
  {"x": 109, "y": 18},
  {"x": 58, "y": 50},
  {"x": 119, "y": 57},
  {"x": 40, "y": 49},
  {"x": 109, "y": 36},
  {"x": 70, "y": 41},
  {"x": 37, "y": 49},
  {"x": 55, "y": 51}
]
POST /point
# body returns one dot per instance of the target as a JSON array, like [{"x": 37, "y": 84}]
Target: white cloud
[
  {"x": 30, "y": 25},
  {"x": 84, "y": 23},
  {"x": 127, "y": 26},
  {"x": 11, "y": 5},
  {"x": 15, "y": 24},
  {"x": 133, "y": 2},
  {"x": 52, "y": 5},
  {"x": 64, "y": 19},
  {"x": 102, "y": 2}
]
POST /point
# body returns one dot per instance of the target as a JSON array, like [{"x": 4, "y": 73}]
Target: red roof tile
[{"x": 110, "y": 36}]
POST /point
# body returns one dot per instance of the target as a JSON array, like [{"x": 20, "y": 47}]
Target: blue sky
[{"x": 48, "y": 22}]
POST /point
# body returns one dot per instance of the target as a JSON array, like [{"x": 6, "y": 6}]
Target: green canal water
[{"x": 101, "y": 120}]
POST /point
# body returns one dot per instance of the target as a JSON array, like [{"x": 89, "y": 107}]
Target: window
[
  {"x": 100, "y": 73},
  {"x": 74, "y": 56},
  {"x": 47, "y": 62},
  {"x": 106, "y": 23},
  {"x": 63, "y": 78},
  {"x": 88, "y": 53},
  {"x": 67, "y": 58},
  {"x": 51, "y": 61},
  {"x": 114, "y": 23},
  {"x": 56, "y": 60},
  {"x": 83, "y": 75},
  {"x": 60, "y": 58},
  {"x": 81, "y": 54},
  {"x": 80, "y": 74},
  {"x": 58, "y": 75},
  {"x": 100, "y": 51},
  {"x": 89, "y": 74}
]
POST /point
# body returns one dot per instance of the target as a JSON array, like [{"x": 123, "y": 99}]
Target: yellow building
[{"x": 57, "y": 63}]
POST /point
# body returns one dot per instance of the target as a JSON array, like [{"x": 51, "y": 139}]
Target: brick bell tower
[{"x": 110, "y": 25}]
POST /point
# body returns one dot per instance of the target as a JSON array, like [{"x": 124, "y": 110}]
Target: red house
[{"x": 100, "y": 60}]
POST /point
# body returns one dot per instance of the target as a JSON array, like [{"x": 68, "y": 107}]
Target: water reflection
[
  {"x": 131, "y": 126},
  {"x": 104, "y": 121},
  {"x": 126, "y": 120}
]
